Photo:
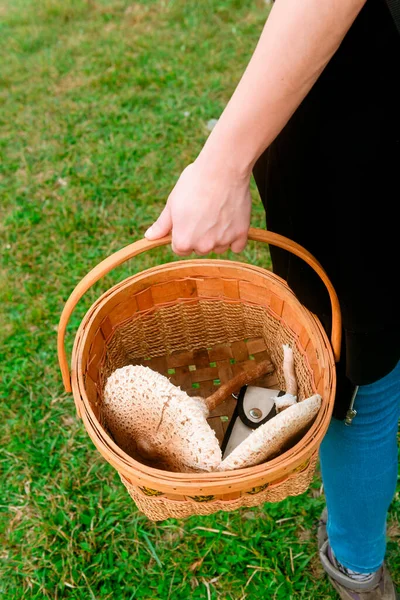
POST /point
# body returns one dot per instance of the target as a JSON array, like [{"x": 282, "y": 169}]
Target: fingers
[
  {"x": 161, "y": 227},
  {"x": 239, "y": 244},
  {"x": 181, "y": 249},
  {"x": 202, "y": 249},
  {"x": 221, "y": 249}
]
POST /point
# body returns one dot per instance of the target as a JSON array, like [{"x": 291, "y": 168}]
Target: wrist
[{"x": 222, "y": 156}]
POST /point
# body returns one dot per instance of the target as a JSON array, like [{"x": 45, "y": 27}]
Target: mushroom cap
[
  {"x": 149, "y": 416},
  {"x": 269, "y": 439}
]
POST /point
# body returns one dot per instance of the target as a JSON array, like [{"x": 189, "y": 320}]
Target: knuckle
[
  {"x": 221, "y": 249},
  {"x": 181, "y": 244},
  {"x": 204, "y": 248},
  {"x": 180, "y": 248}
]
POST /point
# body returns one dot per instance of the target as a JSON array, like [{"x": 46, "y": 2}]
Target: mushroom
[
  {"x": 290, "y": 397},
  {"x": 274, "y": 436},
  {"x": 149, "y": 416},
  {"x": 154, "y": 420}
]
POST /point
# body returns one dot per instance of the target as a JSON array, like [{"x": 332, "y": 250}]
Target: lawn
[{"x": 103, "y": 103}]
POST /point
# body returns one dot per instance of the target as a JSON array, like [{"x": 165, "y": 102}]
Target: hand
[{"x": 208, "y": 210}]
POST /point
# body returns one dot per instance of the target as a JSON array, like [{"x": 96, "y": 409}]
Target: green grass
[{"x": 102, "y": 105}]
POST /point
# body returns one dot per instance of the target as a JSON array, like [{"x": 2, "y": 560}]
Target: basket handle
[{"x": 119, "y": 257}]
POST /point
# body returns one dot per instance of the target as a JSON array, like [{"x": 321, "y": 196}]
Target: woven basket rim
[{"x": 128, "y": 466}]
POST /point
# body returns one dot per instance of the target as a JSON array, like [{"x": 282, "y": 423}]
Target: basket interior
[{"x": 200, "y": 340}]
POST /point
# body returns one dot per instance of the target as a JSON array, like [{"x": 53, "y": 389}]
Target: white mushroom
[
  {"x": 288, "y": 370},
  {"x": 270, "y": 439},
  {"x": 290, "y": 397},
  {"x": 148, "y": 415},
  {"x": 153, "y": 420}
]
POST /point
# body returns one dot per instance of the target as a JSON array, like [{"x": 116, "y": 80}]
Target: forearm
[{"x": 298, "y": 40}]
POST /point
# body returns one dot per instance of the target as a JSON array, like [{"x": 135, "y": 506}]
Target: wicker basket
[{"x": 200, "y": 322}]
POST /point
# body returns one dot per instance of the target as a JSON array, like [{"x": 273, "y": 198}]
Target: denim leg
[{"x": 359, "y": 465}]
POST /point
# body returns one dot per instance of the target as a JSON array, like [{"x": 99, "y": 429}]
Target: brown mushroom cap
[{"x": 149, "y": 416}]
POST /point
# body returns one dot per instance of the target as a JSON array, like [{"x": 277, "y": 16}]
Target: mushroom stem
[
  {"x": 234, "y": 384},
  {"x": 288, "y": 370}
]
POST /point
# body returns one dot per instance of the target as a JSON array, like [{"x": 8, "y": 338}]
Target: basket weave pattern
[
  {"x": 158, "y": 508},
  {"x": 201, "y": 322},
  {"x": 183, "y": 341},
  {"x": 208, "y": 330}
]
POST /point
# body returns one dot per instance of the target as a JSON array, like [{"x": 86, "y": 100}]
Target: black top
[{"x": 331, "y": 182}]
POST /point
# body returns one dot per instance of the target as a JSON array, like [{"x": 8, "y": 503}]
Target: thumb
[{"x": 161, "y": 227}]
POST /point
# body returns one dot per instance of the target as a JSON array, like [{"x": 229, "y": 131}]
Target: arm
[{"x": 209, "y": 207}]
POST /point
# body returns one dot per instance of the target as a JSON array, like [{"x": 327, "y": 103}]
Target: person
[{"x": 315, "y": 120}]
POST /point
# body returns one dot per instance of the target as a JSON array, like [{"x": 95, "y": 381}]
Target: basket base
[{"x": 158, "y": 507}]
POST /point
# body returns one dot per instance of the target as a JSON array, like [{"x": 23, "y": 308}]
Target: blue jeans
[{"x": 359, "y": 465}]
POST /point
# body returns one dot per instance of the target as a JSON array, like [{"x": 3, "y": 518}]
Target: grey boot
[{"x": 380, "y": 588}]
